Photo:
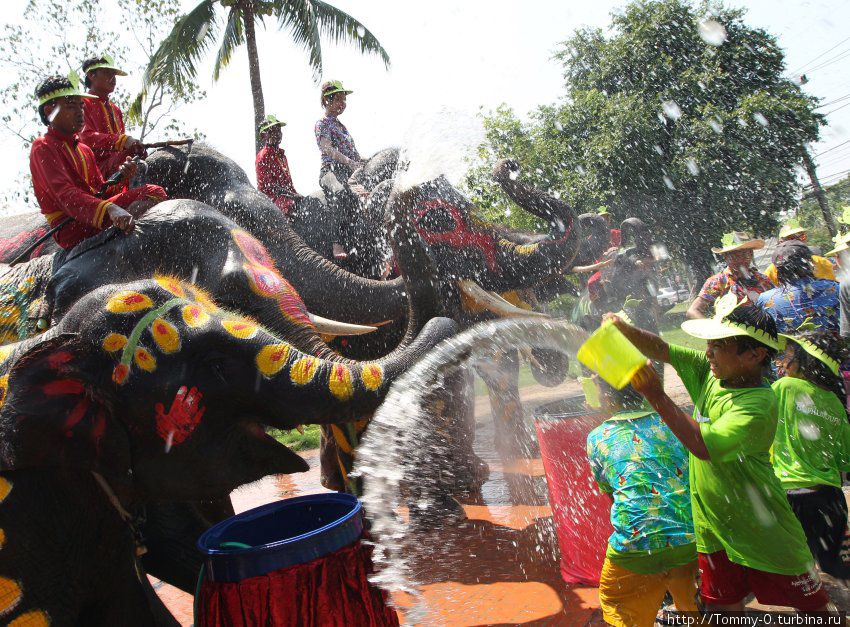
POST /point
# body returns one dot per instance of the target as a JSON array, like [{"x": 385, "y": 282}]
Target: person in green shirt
[
  {"x": 812, "y": 443},
  {"x": 638, "y": 461},
  {"x": 748, "y": 539}
]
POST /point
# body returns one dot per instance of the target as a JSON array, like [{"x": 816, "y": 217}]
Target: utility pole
[{"x": 817, "y": 192}]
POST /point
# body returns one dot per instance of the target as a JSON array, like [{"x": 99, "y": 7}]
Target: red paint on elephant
[
  {"x": 77, "y": 414},
  {"x": 269, "y": 283},
  {"x": 59, "y": 359},
  {"x": 182, "y": 418},
  {"x": 461, "y": 237},
  {"x": 61, "y": 387},
  {"x": 252, "y": 248}
]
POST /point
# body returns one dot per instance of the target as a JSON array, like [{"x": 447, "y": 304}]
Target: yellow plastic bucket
[{"x": 609, "y": 354}]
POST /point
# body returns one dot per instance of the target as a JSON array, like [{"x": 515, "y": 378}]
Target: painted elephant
[
  {"x": 147, "y": 392},
  {"x": 227, "y": 262}
]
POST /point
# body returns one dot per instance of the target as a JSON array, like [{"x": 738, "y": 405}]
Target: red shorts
[{"x": 727, "y": 583}]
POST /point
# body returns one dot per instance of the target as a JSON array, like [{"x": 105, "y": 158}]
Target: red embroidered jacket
[
  {"x": 104, "y": 130},
  {"x": 273, "y": 177},
  {"x": 65, "y": 178}
]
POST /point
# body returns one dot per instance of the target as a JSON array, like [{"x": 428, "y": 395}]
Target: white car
[{"x": 669, "y": 296}]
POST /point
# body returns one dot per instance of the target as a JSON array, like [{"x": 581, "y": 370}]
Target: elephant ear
[{"x": 53, "y": 416}]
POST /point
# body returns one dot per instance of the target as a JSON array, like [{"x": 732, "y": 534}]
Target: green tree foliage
[
  {"x": 176, "y": 61},
  {"x": 811, "y": 216},
  {"x": 678, "y": 115},
  {"x": 55, "y": 36}
]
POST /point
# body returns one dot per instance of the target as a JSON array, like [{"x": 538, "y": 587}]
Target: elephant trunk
[
  {"x": 327, "y": 290},
  {"x": 550, "y": 255}
]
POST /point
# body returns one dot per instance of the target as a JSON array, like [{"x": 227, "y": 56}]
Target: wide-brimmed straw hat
[
  {"x": 792, "y": 227},
  {"x": 719, "y": 326},
  {"x": 737, "y": 240},
  {"x": 842, "y": 243},
  {"x": 813, "y": 349}
]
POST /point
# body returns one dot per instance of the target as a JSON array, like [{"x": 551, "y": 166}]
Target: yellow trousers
[{"x": 632, "y": 600}]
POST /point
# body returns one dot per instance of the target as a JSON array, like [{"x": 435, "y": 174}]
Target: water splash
[
  {"x": 671, "y": 110},
  {"x": 712, "y": 32},
  {"x": 406, "y": 457}
]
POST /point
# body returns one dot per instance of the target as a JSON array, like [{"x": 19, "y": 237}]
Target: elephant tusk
[
  {"x": 477, "y": 296},
  {"x": 326, "y": 326}
]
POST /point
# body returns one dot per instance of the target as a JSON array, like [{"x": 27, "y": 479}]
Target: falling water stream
[{"x": 410, "y": 454}]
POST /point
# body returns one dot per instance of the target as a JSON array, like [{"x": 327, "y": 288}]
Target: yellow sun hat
[
  {"x": 105, "y": 62},
  {"x": 737, "y": 240},
  {"x": 72, "y": 89},
  {"x": 792, "y": 227},
  {"x": 719, "y": 326}
]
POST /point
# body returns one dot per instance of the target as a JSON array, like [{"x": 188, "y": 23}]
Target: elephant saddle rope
[{"x": 126, "y": 516}]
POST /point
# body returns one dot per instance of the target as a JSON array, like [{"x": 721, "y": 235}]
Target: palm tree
[{"x": 175, "y": 62}]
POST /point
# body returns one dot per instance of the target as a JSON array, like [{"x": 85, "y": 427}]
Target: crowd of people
[
  {"x": 743, "y": 497},
  {"x": 746, "y": 491}
]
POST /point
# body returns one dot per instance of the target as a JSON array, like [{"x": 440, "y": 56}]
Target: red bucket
[{"x": 580, "y": 511}]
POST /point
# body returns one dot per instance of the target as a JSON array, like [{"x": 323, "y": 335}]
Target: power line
[
  {"x": 823, "y": 152},
  {"x": 831, "y": 102},
  {"x": 837, "y": 108},
  {"x": 819, "y": 56},
  {"x": 835, "y": 59}
]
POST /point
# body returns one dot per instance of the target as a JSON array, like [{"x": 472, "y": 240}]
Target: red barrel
[
  {"x": 580, "y": 511},
  {"x": 295, "y": 563}
]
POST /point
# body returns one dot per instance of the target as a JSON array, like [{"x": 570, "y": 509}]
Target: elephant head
[
  {"x": 208, "y": 176},
  {"x": 166, "y": 395}
]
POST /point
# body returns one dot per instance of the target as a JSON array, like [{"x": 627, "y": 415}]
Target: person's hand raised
[{"x": 646, "y": 381}]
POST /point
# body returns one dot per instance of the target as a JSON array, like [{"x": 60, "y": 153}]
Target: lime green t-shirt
[
  {"x": 812, "y": 443},
  {"x": 738, "y": 504}
]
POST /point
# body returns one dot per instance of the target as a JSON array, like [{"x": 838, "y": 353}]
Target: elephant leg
[
  {"x": 469, "y": 471},
  {"x": 513, "y": 438},
  {"x": 171, "y": 531}
]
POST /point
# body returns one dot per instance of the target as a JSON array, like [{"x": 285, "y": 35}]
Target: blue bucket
[{"x": 281, "y": 534}]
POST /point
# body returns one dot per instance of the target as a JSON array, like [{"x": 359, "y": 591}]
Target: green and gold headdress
[
  {"x": 70, "y": 90},
  {"x": 719, "y": 326},
  {"x": 106, "y": 62},
  {"x": 810, "y": 347}
]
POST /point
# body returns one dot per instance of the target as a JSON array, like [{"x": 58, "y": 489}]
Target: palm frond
[
  {"x": 340, "y": 27},
  {"x": 234, "y": 36},
  {"x": 298, "y": 17},
  {"x": 175, "y": 61}
]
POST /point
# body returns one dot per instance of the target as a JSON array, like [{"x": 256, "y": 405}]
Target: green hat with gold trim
[
  {"x": 719, "y": 326},
  {"x": 842, "y": 243},
  {"x": 71, "y": 88},
  {"x": 104, "y": 62},
  {"x": 810, "y": 347},
  {"x": 269, "y": 122},
  {"x": 334, "y": 87},
  {"x": 792, "y": 227},
  {"x": 603, "y": 211}
]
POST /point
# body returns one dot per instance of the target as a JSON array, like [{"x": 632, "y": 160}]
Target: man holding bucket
[{"x": 748, "y": 539}]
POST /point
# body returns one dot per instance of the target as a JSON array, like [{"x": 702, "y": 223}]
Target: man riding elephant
[
  {"x": 145, "y": 393},
  {"x": 314, "y": 220},
  {"x": 104, "y": 130},
  {"x": 66, "y": 179}
]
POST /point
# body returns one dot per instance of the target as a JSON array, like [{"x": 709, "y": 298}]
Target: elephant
[
  {"x": 144, "y": 392},
  {"x": 231, "y": 265}
]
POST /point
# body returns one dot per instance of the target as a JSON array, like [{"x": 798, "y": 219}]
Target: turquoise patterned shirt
[{"x": 645, "y": 468}]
